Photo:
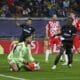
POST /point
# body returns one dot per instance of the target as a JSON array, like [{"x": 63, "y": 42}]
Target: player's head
[
  {"x": 69, "y": 21},
  {"x": 27, "y": 39},
  {"x": 29, "y": 21},
  {"x": 54, "y": 17}
]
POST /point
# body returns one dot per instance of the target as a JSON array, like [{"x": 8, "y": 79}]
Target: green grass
[{"x": 61, "y": 73}]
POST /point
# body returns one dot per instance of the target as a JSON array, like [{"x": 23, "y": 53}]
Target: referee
[
  {"x": 27, "y": 29},
  {"x": 67, "y": 33}
]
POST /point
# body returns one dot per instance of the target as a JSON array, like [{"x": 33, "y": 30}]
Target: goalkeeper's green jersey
[{"x": 20, "y": 51}]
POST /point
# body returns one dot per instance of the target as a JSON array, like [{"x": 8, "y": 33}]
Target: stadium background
[
  {"x": 44, "y": 9},
  {"x": 9, "y": 32},
  {"x": 40, "y": 11}
]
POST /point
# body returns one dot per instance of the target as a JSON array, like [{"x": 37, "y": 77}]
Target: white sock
[
  {"x": 65, "y": 57},
  {"x": 47, "y": 54},
  {"x": 61, "y": 58}
]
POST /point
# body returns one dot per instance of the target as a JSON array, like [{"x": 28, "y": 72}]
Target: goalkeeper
[{"x": 17, "y": 57}]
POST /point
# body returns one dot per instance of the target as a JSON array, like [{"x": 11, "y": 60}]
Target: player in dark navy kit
[
  {"x": 27, "y": 29},
  {"x": 68, "y": 32}
]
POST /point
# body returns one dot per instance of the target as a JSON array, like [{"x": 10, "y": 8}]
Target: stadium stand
[{"x": 38, "y": 8}]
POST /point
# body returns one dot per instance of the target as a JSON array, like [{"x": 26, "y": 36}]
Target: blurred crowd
[{"x": 38, "y": 8}]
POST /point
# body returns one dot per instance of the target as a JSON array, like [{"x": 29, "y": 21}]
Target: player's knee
[{"x": 15, "y": 69}]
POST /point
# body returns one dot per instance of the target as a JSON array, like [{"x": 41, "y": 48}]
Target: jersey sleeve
[
  {"x": 58, "y": 24},
  {"x": 16, "y": 53},
  {"x": 59, "y": 27},
  {"x": 9, "y": 57},
  {"x": 20, "y": 54},
  {"x": 30, "y": 57},
  {"x": 22, "y": 25}
]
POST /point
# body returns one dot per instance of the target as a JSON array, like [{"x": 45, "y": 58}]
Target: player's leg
[
  {"x": 61, "y": 59},
  {"x": 69, "y": 53},
  {"x": 58, "y": 44},
  {"x": 70, "y": 56},
  {"x": 13, "y": 65},
  {"x": 47, "y": 51},
  {"x": 65, "y": 58},
  {"x": 64, "y": 55},
  {"x": 47, "y": 54},
  {"x": 58, "y": 58}
]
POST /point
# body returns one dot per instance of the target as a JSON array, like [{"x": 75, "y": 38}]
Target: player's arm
[
  {"x": 59, "y": 33},
  {"x": 59, "y": 28},
  {"x": 17, "y": 24},
  {"x": 33, "y": 33},
  {"x": 30, "y": 57},
  {"x": 20, "y": 54}
]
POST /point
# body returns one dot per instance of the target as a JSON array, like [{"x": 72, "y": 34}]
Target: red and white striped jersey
[{"x": 52, "y": 28}]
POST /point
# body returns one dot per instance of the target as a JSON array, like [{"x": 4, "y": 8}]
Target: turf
[{"x": 61, "y": 73}]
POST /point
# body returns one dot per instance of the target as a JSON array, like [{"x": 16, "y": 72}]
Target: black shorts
[{"x": 67, "y": 44}]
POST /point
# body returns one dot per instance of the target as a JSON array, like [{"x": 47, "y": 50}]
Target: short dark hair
[
  {"x": 69, "y": 20},
  {"x": 26, "y": 36}
]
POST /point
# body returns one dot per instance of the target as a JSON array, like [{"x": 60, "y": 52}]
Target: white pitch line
[{"x": 12, "y": 77}]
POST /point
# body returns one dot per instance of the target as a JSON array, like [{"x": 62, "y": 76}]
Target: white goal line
[{"x": 12, "y": 77}]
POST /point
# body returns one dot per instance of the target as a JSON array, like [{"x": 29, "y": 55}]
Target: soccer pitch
[{"x": 61, "y": 73}]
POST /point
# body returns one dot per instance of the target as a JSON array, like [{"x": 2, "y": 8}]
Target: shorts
[{"x": 53, "y": 41}]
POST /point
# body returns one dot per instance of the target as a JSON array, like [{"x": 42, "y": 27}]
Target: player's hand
[
  {"x": 62, "y": 38},
  {"x": 17, "y": 24}
]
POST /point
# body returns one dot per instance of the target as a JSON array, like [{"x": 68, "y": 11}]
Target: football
[{"x": 36, "y": 66}]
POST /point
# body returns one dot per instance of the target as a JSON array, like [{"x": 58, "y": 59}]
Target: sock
[{"x": 47, "y": 54}]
